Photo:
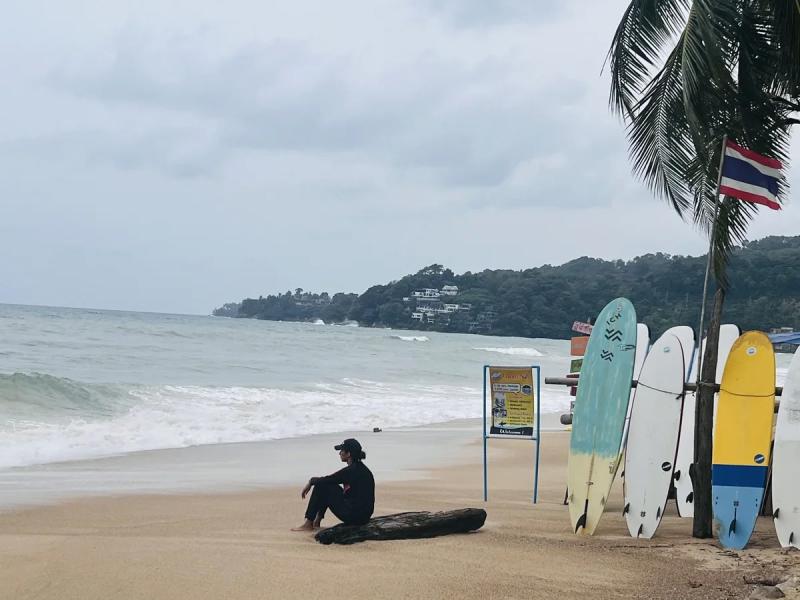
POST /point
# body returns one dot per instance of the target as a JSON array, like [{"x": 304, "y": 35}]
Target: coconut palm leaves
[{"x": 685, "y": 73}]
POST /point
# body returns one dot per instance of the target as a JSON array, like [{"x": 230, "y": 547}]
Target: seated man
[{"x": 353, "y": 502}]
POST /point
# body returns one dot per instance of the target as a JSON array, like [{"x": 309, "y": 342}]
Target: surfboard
[
  {"x": 653, "y": 436},
  {"x": 599, "y": 416},
  {"x": 642, "y": 348},
  {"x": 684, "y": 495},
  {"x": 785, "y": 483},
  {"x": 742, "y": 438}
]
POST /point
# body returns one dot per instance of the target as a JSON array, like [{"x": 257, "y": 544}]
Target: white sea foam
[
  {"x": 180, "y": 416},
  {"x": 412, "y": 338},
  {"x": 319, "y": 322},
  {"x": 513, "y": 351}
]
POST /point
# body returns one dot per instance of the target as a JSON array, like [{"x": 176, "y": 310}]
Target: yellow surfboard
[{"x": 742, "y": 437}]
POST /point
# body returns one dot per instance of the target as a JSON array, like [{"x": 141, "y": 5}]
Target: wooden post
[{"x": 700, "y": 471}]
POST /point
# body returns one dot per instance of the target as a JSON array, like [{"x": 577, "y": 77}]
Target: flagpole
[{"x": 708, "y": 262}]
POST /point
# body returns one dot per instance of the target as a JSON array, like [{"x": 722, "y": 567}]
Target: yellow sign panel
[{"x": 512, "y": 396}]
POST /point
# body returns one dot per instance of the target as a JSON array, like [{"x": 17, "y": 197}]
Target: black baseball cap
[{"x": 352, "y": 446}]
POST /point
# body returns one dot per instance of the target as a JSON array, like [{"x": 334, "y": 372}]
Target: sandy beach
[{"x": 238, "y": 544}]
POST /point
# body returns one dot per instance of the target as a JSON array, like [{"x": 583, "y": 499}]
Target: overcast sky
[{"x": 172, "y": 156}]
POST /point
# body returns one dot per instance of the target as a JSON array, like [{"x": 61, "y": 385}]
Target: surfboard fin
[
  {"x": 677, "y": 474},
  {"x": 581, "y": 522},
  {"x": 626, "y": 509},
  {"x": 776, "y": 513},
  {"x": 690, "y": 497},
  {"x": 791, "y": 537},
  {"x": 732, "y": 528},
  {"x": 582, "y": 519},
  {"x": 658, "y": 513},
  {"x": 641, "y": 527}
]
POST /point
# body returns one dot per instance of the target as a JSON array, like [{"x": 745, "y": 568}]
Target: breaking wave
[
  {"x": 513, "y": 351},
  {"x": 49, "y": 419}
]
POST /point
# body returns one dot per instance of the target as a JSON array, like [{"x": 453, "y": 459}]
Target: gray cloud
[
  {"x": 464, "y": 125},
  {"x": 167, "y": 156}
]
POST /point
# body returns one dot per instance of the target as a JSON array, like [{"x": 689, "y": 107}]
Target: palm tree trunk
[{"x": 703, "y": 426}]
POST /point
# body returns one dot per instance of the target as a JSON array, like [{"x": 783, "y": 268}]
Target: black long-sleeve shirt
[{"x": 359, "y": 487}]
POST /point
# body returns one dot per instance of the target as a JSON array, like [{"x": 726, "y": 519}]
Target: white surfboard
[
  {"x": 785, "y": 458},
  {"x": 653, "y": 436},
  {"x": 642, "y": 348},
  {"x": 684, "y": 496},
  {"x": 685, "y": 334}
]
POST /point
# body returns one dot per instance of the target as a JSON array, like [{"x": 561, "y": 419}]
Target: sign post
[{"x": 515, "y": 397}]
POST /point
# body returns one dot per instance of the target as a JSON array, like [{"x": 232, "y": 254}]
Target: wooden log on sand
[{"x": 407, "y": 525}]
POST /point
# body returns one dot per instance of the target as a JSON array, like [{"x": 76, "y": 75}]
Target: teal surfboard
[{"x": 599, "y": 418}]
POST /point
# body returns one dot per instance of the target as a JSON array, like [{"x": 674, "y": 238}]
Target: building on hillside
[
  {"x": 449, "y": 290},
  {"x": 426, "y": 293}
]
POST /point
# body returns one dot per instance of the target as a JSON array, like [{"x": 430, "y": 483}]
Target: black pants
[{"x": 330, "y": 495}]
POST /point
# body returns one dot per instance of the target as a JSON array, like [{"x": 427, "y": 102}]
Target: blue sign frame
[{"x": 536, "y": 438}]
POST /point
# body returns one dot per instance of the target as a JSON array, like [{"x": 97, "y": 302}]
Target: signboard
[
  {"x": 578, "y": 345},
  {"x": 581, "y": 327},
  {"x": 575, "y": 365},
  {"x": 513, "y": 394},
  {"x": 512, "y": 400}
]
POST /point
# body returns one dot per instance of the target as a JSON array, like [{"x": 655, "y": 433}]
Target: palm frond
[
  {"x": 705, "y": 62},
  {"x": 785, "y": 24},
  {"x": 644, "y": 30},
  {"x": 660, "y": 141},
  {"x": 731, "y": 231},
  {"x": 734, "y": 70}
]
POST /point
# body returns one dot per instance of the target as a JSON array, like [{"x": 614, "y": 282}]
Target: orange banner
[{"x": 578, "y": 345}]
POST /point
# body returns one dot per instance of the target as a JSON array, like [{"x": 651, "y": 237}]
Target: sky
[{"x": 173, "y": 156}]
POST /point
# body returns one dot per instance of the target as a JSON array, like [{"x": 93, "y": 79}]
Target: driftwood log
[{"x": 407, "y": 525}]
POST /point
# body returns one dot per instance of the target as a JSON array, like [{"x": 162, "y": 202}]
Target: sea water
[{"x": 79, "y": 384}]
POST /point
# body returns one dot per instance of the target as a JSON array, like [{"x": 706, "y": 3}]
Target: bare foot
[{"x": 307, "y": 526}]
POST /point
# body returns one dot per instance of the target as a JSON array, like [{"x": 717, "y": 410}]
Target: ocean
[{"x": 79, "y": 384}]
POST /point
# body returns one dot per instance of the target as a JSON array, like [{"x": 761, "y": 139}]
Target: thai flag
[{"x": 750, "y": 176}]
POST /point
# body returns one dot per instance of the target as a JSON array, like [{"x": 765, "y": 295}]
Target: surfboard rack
[{"x": 687, "y": 387}]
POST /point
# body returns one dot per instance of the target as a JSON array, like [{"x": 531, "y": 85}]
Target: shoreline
[{"x": 240, "y": 466}]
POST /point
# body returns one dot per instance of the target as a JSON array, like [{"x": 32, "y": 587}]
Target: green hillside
[{"x": 544, "y": 301}]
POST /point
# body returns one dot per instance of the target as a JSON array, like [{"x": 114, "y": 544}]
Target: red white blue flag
[{"x": 749, "y": 176}]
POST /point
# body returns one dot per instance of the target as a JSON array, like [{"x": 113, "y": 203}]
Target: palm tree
[{"x": 685, "y": 74}]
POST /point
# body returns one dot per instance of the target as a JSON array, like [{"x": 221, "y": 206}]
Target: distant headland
[{"x": 544, "y": 301}]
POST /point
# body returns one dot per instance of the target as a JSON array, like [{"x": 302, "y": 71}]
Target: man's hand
[{"x": 305, "y": 491}]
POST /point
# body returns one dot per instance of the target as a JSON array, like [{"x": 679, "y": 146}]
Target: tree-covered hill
[{"x": 544, "y": 301}]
